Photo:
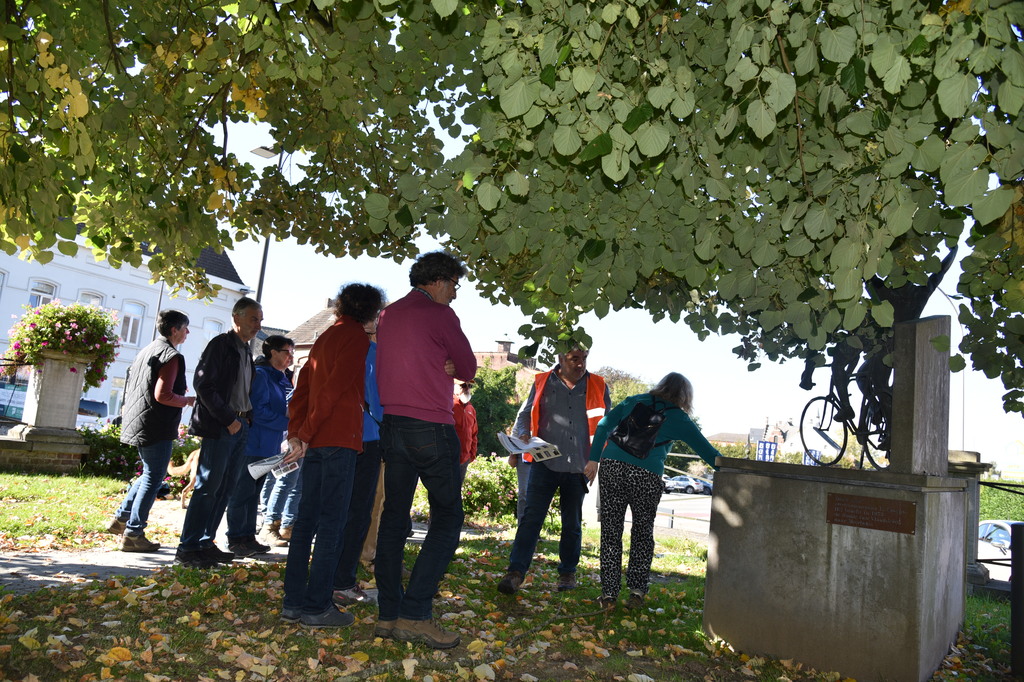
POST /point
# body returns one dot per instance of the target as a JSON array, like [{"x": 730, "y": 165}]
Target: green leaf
[
  {"x": 883, "y": 313},
  {"x": 957, "y": 363},
  {"x": 548, "y": 76},
  {"x": 376, "y": 205},
  {"x": 955, "y": 94},
  {"x": 616, "y": 164},
  {"x": 764, "y": 253},
  {"x": 897, "y": 75},
  {"x": 583, "y": 78},
  {"x": 993, "y": 205},
  {"x": 516, "y": 99},
  {"x": 599, "y": 146},
  {"x": 929, "y": 154},
  {"x": 918, "y": 45},
  {"x": 639, "y": 114},
  {"x": 651, "y": 140},
  {"x": 610, "y": 13},
  {"x": 567, "y": 140},
  {"x": 727, "y": 122},
  {"x": 853, "y": 78},
  {"x": 442, "y": 7},
  {"x": 487, "y": 195},
  {"x": 838, "y": 45},
  {"x": 517, "y": 183},
  {"x": 880, "y": 118},
  {"x": 818, "y": 222},
  {"x": 780, "y": 93},
  {"x": 760, "y": 118},
  {"x": 68, "y": 248},
  {"x": 964, "y": 182},
  {"x": 19, "y": 153}
]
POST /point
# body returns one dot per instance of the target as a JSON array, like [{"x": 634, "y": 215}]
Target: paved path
[{"x": 24, "y": 572}]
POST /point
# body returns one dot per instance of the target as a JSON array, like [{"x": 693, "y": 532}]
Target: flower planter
[{"x": 54, "y": 390}]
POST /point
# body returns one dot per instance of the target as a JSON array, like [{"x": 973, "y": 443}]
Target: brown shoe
[
  {"x": 426, "y": 631},
  {"x": 385, "y": 629},
  {"x": 138, "y": 543},
  {"x": 116, "y": 526},
  {"x": 271, "y": 535},
  {"x": 511, "y": 582},
  {"x": 286, "y": 533},
  {"x": 566, "y": 581},
  {"x": 606, "y": 601}
]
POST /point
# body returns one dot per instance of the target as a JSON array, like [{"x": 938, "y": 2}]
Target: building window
[
  {"x": 131, "y": 323},
  {"x": 212, "y": 328},
  {"x": 41, "y": 293},
  {"x": 91, "y": 298}
]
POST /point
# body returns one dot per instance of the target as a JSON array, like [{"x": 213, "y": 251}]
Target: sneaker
[
  {"x": 606, "y": 601},
  {"x": 566, "y": 581},
  {"x": 216, "y": 555},
  {"x": 331, "y": 618},
  {"x": 116, "y": 526},
  {"x": 353, "y": 595},
  {"x": 247, "y": 547},
  {"x": 193, "y": 559},
  {"x": 138, "y": 543},
  {"x": 385, "y": 629},
  {"x": 511, "y": 582},
  {"x": 635, "y": 600},
  {"x": 290, "y": 615},
  {"x": 426, "y": 631}
]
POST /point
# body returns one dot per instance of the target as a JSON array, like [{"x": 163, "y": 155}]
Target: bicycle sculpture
[{"x": 832, "y": 417}]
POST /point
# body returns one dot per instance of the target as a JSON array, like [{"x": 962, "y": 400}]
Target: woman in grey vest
[{"x": 154, "y": 396}]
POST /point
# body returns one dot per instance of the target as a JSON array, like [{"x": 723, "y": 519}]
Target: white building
[{"x": 125, "y": 290}]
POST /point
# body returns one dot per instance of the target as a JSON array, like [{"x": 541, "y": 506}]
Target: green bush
[
  {"x": 490, "y": 489},
  {"x": 109, "y": 457},
  {"x": 1000, "y": 504}
]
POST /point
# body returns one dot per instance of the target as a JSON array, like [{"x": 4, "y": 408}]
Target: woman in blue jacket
[
  {"x": 269, "y": 397},
  {"x": 635, "y": 482}
]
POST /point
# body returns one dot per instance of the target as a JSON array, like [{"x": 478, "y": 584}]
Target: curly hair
[
  {"x": 360, "y": 301},
  {"x": 434, "y": 266}
]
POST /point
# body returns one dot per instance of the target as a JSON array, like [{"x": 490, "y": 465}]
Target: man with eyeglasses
[{"x": 420, "y": 347}]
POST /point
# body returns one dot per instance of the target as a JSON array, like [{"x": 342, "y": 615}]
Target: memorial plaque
[{"x": 877, "y": 513}]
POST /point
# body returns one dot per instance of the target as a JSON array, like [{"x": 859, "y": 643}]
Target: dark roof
[
  {"x": 264, "y": 332},
  {"x": 305, "y": 334},
  {"x": 218, "y": 265}
]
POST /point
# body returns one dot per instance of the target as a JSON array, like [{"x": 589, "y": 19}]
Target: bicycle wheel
[
  {"x": 817, "y": 422},
  {"x": 873, "y": 437}
]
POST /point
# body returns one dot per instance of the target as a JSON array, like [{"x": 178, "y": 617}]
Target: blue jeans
[
  {"x": 415, "y": 450},
  {"x": 244, "y": 500},
  {"x": 326, "y": 490},
  {"x": 543, "y": 484},
  {"x": 360, "y": 507},
  {"x": 522, "y": 485},
  {"x": 281, "y": 498},
  {"x": 141, "y": 496},
  {"x": 219, "y": 459}
]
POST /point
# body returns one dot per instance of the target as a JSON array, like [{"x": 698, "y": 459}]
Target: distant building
[
  {"x": 726, "y": 439},
  {"x": 126, "y": 290}
]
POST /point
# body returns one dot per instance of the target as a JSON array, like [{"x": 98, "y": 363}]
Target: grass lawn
[{"x": 181, "y": 624}]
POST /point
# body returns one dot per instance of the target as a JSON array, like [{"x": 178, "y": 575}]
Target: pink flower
[{"x": 44, "y": 343}]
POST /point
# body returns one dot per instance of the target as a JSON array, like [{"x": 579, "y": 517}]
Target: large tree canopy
[{"x": 745, "y": 165}]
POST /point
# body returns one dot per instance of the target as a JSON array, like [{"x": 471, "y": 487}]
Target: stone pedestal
[
  {"x": 859, "y": 572},
  {"x": 968, "y": 466},
  {"x": 920, "y": 399},
  {"x": 51, "y": 403}
]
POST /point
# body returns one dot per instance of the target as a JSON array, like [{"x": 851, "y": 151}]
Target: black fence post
[{"x": 1017, "y": 599}]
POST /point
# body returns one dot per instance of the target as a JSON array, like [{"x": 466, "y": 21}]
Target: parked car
[
  {"x": 683, "y": 484},
  {"x": 994, "y": 543},
  {"x": 91, "y": 414},
  {"x": 708, "y": 487}
]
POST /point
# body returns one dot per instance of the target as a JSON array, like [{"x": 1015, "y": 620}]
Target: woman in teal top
[{"x": 630, "y": 481}]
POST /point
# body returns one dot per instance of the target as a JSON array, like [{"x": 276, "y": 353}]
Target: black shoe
[
  {"x": 290, "y": 615},
  {"x": 193, "y": 559},
  {"x": 216, "y": 555},
  {"x": 248, "y": 547},
  {"x": 331, "y": 618}
]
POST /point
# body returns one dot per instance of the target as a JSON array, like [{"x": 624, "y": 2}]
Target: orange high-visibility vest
[{"x": 595, "y": 404}]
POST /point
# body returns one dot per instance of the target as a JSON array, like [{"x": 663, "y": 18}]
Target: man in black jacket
[{"x": 221, "y": 418}]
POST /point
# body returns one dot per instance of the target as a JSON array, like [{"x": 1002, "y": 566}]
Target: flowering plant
[{"x": 76, "y": 329}]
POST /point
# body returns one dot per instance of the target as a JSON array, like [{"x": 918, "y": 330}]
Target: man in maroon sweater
[{"x": 420, "y": 346}]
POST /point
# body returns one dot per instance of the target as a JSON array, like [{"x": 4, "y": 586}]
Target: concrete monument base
[{"x": 858, "y": 572}]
